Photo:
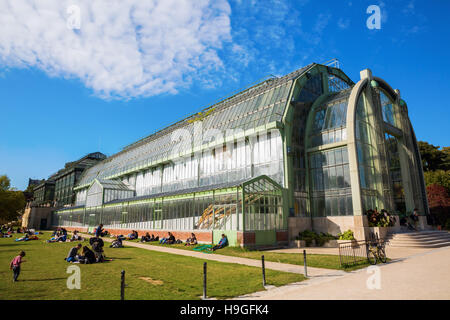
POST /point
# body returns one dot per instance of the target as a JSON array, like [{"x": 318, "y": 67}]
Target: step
[
  {"x": 417, "y": 238},
  {"x": 417, "y": 242},
  {"x": 421, "y": 245},
  {"x": 419, "y": 235}
]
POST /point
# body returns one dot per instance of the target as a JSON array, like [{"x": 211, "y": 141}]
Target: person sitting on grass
[
  {"x": 88, "y": 256},
  {"x": 133, "y": 235},
  {"x": 76, "y": 236},
  {"x": 192, "y": 241},
  {"x": 97, "y": 245},
  {"x": 99, "y": 231},
  {"x": 73, "y": 254},
  {"x": 146, "y": 238},
  {"x": 222, "y": 243},
  {"x": 117, "y": 243},
  {"x": 15, "y": 265},
  {"x": 169, "y": 240}
]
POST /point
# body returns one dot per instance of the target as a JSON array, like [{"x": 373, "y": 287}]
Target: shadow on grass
[{"x": 51, "y": 279}]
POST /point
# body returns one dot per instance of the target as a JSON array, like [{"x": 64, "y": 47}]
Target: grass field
[
  {"x": 168, "y": 276},
  {"x": 327, "y": 261}
]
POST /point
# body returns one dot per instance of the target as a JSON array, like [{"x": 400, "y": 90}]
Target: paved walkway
[
  {"x": 312, "y": 272},
  {"x": 423, "y": 275},
  {"x": 391, "y": 252}
]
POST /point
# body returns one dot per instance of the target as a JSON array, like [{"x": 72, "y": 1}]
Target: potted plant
[
  {"x": 299, "y": 243},
  {"x": 347, "y": 237}
]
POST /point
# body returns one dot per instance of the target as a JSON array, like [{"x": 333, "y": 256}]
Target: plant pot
[
  {"x": 353, "y": 243},
  {"x": 331, "y": 244},
  {"x": 300, "y": 243}
]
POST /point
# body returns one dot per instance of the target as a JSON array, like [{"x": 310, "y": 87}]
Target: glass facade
[
  {"x": 395, "y": 172},
  {"x": 312, "y": 89},
  {"x": 366, "y": 153},
  {"x": 289, "y": 156},
  {"x": 330, "y": 183},
  {"x": 387, "y": 108},
  {"x": 329, "y": 124},
  {"x": 221, "y": 209}
]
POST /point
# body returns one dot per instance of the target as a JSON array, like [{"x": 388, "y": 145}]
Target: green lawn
[
  {"x": 327, "y": 261},
  {"x": 44, "y": 275}
]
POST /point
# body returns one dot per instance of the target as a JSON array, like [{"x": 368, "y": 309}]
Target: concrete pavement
[{"x": 422, "y": 275}]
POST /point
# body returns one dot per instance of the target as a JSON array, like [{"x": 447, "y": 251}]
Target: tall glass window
[
  {"x": 329, "y": 124},
  {"x": 308, "y": 93},
  {"x": 395, "y": 172},
  {"x": 387, "y": 108},
  {"x": 330, "y": 183},
  {"x": 366, "y": 151}
]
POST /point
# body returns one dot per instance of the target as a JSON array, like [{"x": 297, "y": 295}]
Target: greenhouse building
[{"x": 311, "y": 150}]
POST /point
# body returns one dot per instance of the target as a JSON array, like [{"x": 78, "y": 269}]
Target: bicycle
[{"x": 375, "y": 253}]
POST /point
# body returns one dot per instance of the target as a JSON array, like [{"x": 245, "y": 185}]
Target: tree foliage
[
  {"x": 439, "y": 177},
  {"x": 439, "y": 203},
  {"x": 12, "y": 202},
  {"x": 434, "y": 158}
]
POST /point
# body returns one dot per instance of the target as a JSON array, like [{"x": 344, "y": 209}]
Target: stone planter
[
  {"x": 331, "y": 244},
  {"x": 354, "y": 243},
  {"x": 313, "y": 243},
  {"x": 382, "y": 232},
  {"x": 300, "y": 243}
]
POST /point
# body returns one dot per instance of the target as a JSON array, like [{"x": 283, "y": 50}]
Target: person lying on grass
[
  {"x": 169, "y": 240},
  {"x": 192, "y": 241},
  {"x": 61, "y": 238},
  {"x": 73, "y": 254},
  {"x": 222, "y": 243},
  {"x": 26, "y": 237}
]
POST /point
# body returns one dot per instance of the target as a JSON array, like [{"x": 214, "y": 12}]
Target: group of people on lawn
[
  {"x": 29, "y": 234},
  {"x": 96, "y": 254},
  {"x": 87, "y": 256}
]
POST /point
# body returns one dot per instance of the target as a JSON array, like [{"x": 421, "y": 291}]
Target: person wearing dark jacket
[
  {"x": 72, "y": 256},
  {"x": 99, "y": 231},
  {"x": 88, "y": 256}
]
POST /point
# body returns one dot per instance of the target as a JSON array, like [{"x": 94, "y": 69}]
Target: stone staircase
[{"x": 420, "y": 239}]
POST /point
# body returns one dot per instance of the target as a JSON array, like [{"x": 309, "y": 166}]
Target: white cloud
[
  {"x": 124, "y": 48},
  {"x": 343, "y": 23}
]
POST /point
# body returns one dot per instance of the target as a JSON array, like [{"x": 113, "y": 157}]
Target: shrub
[
  {"x": 439, "y": 177},
  {"x": 439, "y": 203},
  {"x": 380, "y": 219},
  {"x": 308, "y": 236},
  {"x": 347, "y": 235}
]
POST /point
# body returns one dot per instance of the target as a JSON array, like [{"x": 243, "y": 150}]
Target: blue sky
[{"x": 65, "y": 93}]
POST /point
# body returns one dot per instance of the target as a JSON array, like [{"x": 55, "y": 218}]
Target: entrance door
[{"x": 43, "y": 225}]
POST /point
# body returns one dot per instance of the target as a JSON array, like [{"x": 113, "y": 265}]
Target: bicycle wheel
[
  {"x": 371, "y": 257},
  {"x": 382, "y": 255}
]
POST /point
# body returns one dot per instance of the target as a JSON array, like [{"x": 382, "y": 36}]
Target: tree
[
  {"x": 12, "y": 202},
  {"x": 439, "y": 177},
  {"x": 439, "y": 203},
  {"x": 433, "y": 158}
]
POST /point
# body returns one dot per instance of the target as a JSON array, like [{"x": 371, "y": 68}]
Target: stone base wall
[
  {"x": 32, "y": 217},
  {"x": 202, "y": 236},
  {"x": 296, "y": 225}
]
